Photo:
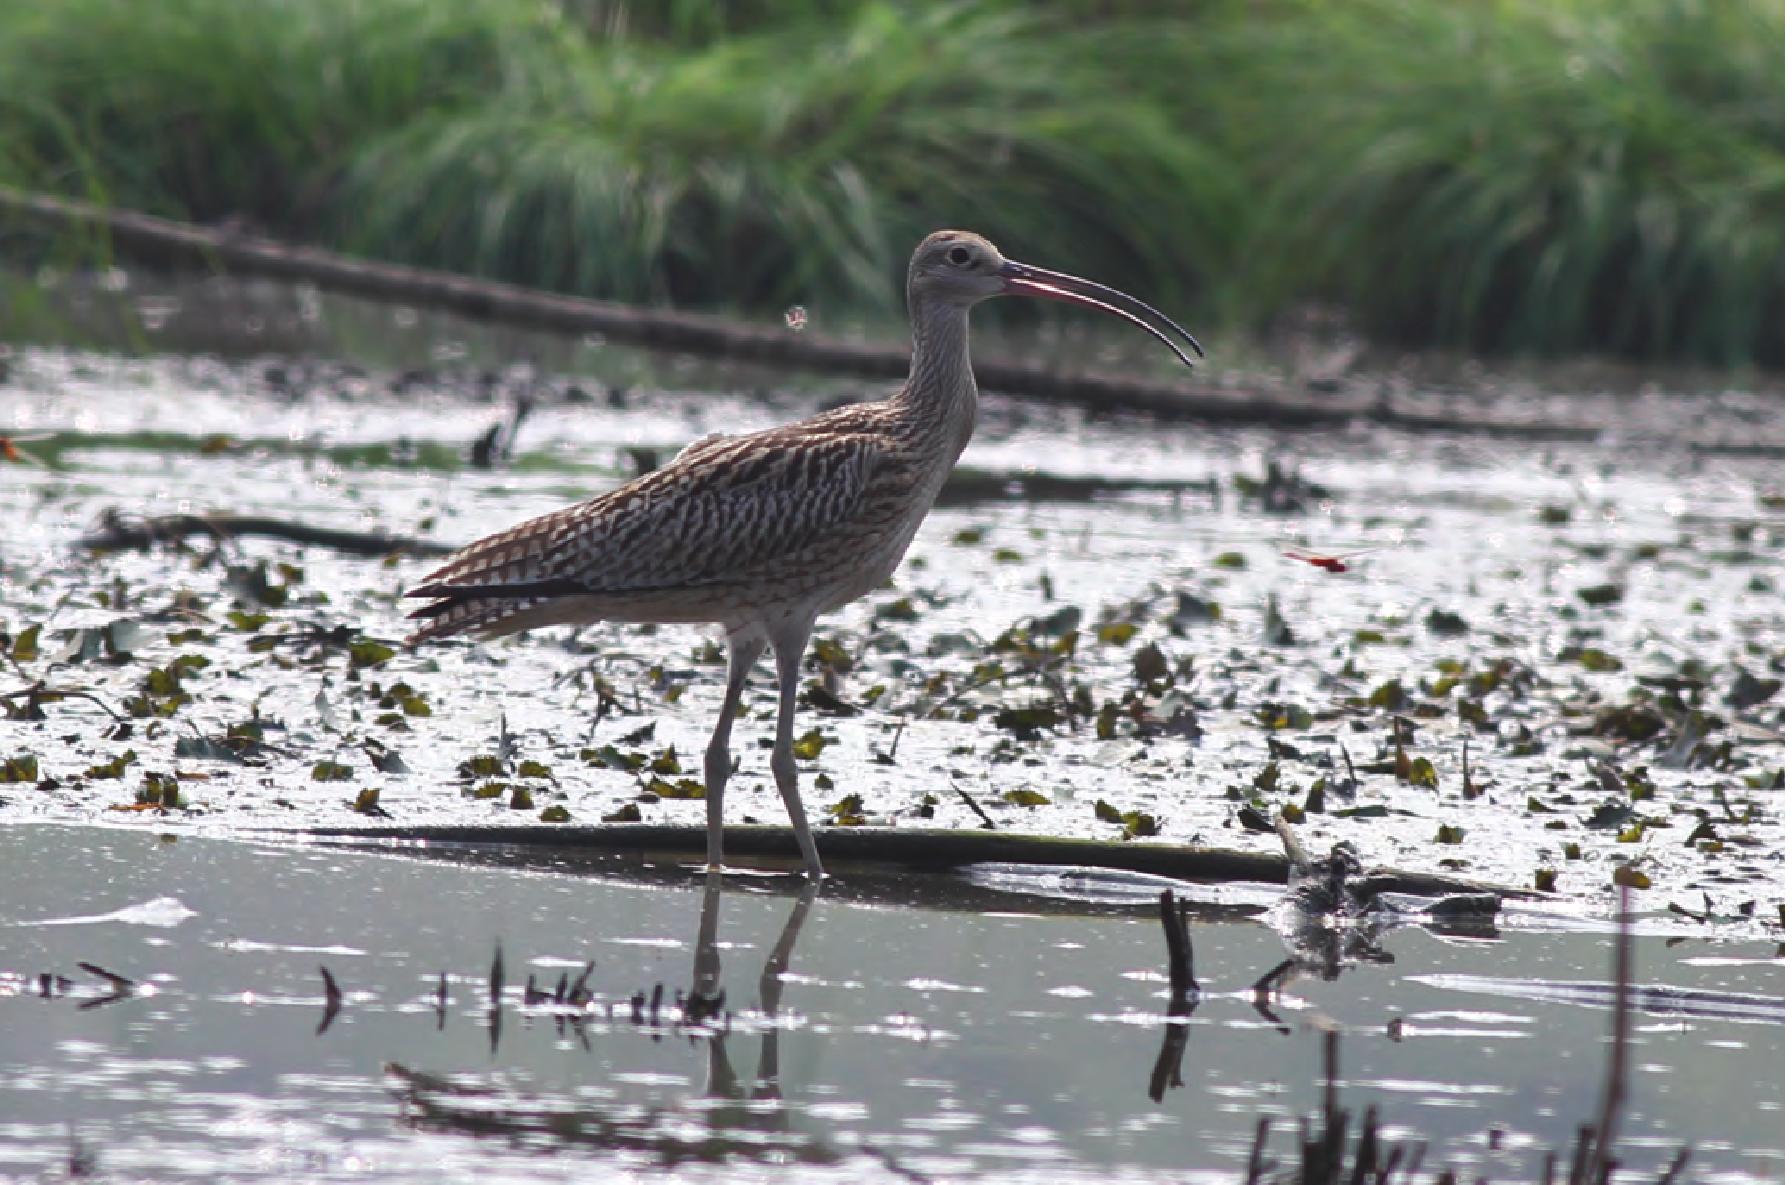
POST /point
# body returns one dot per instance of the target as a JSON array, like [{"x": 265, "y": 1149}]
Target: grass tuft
[{"x": 1601, "y": 175}]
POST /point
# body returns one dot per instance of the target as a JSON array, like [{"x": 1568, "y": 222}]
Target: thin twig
[
  {"x": 43, "y": 691},
  {"x": 1254, "y": 1167},
  {"x": 989, "y": 824}
]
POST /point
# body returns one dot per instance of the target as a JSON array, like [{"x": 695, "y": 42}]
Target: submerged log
[{"x": 925, "y": 850}]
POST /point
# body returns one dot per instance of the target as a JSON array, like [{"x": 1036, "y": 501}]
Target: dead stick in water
[
  {"x": 120, "y": 532},
  {"x": 1174, "y": 915}
]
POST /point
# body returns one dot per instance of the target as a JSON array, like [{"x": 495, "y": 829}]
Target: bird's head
[{"x": 958, "y": 268}]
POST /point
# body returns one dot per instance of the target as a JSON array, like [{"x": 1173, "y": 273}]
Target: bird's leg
[
  {"x": 743, "y": 652},
  {"x": 788, "y": 647}
]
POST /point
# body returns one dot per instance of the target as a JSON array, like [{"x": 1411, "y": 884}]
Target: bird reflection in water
[
  {"x": 706, "y": 1001},
  {"x": 734, "y": 1120}
]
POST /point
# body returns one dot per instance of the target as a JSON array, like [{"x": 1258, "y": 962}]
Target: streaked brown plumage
[{"x": 763, "y": 532}]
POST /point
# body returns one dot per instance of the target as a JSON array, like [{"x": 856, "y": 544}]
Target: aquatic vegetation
[{"x": 1442, "y": 701}]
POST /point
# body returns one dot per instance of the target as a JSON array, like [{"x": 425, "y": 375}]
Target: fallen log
[
  {"x": 121, "y": 532},
  {"x": 167, "y": 243}
]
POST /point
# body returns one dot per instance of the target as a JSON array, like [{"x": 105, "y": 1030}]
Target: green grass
[
  {"x": 1526, "y": 174},
  {"x": 1588, "y": 175}
]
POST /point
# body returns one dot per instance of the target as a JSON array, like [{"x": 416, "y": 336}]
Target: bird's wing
[{"x": 723, "y": 509}]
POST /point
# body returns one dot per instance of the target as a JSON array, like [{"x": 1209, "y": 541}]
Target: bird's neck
[{"x": 941, "y": 391}]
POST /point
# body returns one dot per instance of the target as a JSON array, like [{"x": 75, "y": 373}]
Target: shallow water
[
  {"x": 981, "y": 1038},
  {"x": 1510, "y": 603}
]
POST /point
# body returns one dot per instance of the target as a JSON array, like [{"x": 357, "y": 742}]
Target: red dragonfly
[{"x": 1333, "y": 562}]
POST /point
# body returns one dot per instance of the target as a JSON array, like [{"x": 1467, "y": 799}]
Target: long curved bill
[{"x": 1022, "y": 279}]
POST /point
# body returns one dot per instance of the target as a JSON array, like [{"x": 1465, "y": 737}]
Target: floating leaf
[
  {"x": 1601, "y": 594},
  {"x": 809, "y": 746},
  {"x": 1544, "y": 880},
  {"x": 331, "y": 771},
  {"x": 829, "y": 654},
  {"x": 1630, "y": 722},
  {"x": 1025, "y": 723},
  {"x": 1445, "y": 624},
  {"x": 1252, "y": 819},
  {"x": 683, "y": 788},
  {"x": 1631, "y": 875},
  {"x": 1608, "y": 816},
  {"x": 1138, "y": 823},
  {"x": 387, "y": 761},
  {"x": 1422, "y": 773},
  {"x": 365, "y": 652},
  {"x": 1106, "y": 813},
  {"x": 1149, "y": 663},
  {"x": 24, "y": 647},
  {"x": 556, "y": 814},
  {"x": 22, "y": 768},
  {"x": 1284, "y": 716},
  {"x": 1591, "y": 659},
  {"x": 1115, "y": 633},
  {"x": 406, "y": 699},
  {"x": 535, "y": 769},
  {"x": 1025, "y": 798},
  {"x": 1746, "y": 690},
  {"x": 1448, "y": 834},
  {"x": 1192, "y": 609},
  {"x": 1703, "y": 831},
  {"x": 521, "y": 799},
  {"x": 901, "y": 609},
  {"x": 610, "y": 757},
  {"x": 483, "y": 766},
  {"x": 1233, "y": 560},
  {"x": 1390, "y": 696},
  {"x": 113, "y": 768},
  {"x": 628, "y": 812},
  {"x": 202, "y": 748}
]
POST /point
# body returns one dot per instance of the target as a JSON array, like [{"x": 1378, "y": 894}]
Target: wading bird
[{"x": 763, "y": 532}]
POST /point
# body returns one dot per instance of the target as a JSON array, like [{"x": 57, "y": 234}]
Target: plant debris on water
[{"x": 1559, "y": 667}]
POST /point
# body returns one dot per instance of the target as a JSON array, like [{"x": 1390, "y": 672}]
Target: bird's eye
[{"x": 959, "y": 256}]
